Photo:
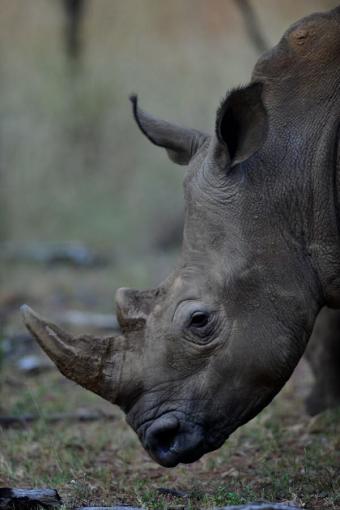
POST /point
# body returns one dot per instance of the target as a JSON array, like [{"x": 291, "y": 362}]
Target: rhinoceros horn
[{"x": 100, "y": 364}]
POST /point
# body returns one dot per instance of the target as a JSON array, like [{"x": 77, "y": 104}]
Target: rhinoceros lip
[
  {"x": 172, "y": 457},
  {"x": 167, "y": 459},
  {"x": 183, "y": 451}
]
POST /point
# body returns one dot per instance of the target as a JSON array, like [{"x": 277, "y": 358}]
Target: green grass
[{"x": 282, "y": 455}]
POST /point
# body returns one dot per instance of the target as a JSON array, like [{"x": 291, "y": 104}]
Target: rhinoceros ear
[
  {"x": 241, "y": 123},
  {"x": 180, "y": 143}
]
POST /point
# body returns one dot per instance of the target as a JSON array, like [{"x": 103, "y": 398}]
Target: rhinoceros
[{"x": 209, "y": 348}]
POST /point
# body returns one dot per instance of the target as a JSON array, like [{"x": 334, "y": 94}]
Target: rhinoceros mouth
[
  {"x": 187, "y": 453},
  {"x": 173, "y": 438},
  {"x": 172, "y": 457}
]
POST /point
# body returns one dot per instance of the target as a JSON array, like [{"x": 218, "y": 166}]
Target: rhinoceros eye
[
  {"x": 199, "y": 320},
  {"x": 195, "y": 320}
]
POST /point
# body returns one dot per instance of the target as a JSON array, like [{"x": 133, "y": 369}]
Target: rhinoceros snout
[{"x": 170, "y": 441}]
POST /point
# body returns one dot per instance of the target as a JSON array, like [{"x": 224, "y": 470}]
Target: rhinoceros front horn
[{"x": 96, "y": 363}]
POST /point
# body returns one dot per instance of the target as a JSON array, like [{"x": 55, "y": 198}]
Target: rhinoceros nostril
[
  {"x": 170, "y": 441},
  {"x": 162, "y": 434},
  {"x": 165, "y": 437}
]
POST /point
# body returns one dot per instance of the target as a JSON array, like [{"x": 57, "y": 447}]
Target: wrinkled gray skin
[{"x": 210, "y": 347}]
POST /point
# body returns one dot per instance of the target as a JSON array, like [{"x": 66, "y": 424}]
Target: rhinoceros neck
[
  {"x": 302, "y": 95},
  {"x": 303, "y": 164},
  {"x": 323, "y": 202}
]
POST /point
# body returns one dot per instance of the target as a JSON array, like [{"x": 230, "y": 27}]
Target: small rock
[{"x": 34, "y": 364}]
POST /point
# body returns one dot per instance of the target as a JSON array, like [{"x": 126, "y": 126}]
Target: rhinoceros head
[{"x": 211, "y": 346}]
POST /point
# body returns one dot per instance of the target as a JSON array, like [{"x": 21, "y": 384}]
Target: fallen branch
[
  {"x": 78, "y": 416},
  {"x": 27, "y": 499},
  {"x": 252, "y": 25}
]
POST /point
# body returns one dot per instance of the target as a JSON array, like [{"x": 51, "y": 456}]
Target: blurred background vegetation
[
  {"x": 75, "y": 172},
  {"x": 74, "y": 167}
]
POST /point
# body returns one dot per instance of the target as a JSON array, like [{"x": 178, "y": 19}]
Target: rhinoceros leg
[{"x": 323, "y": 354}]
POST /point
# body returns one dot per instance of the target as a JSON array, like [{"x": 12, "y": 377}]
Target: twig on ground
[
  {"x": 52, "y": 254},
  {"x": 81, "y": 415}
]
